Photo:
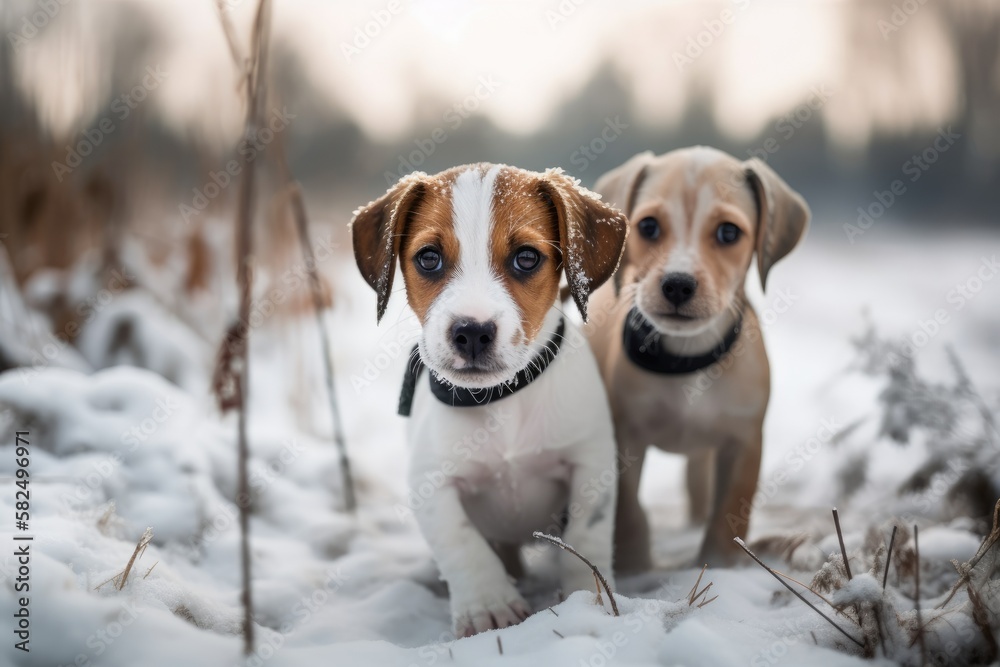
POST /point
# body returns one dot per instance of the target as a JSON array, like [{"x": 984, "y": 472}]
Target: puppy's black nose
[
  {"x": 678, "y": 288},
  {"x": 471, "y": 339}
]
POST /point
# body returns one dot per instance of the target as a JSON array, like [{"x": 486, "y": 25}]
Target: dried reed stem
[
  {"x": 843, "y": 549},
  {"x": 255, "y": 81},
  {"x": 888, "y": 557},
  {"x": 916, "y": 596},
  {"x": 597, "y": 573},
  {"x": 784, "y": 583},
  {"x": 140, "y": 546},
  {"x": 302, "y": 224}
]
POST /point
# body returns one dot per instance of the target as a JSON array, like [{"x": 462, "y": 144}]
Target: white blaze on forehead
[
  {"x": 475, "y": 287},
  {"x": 688, "y": 228}
]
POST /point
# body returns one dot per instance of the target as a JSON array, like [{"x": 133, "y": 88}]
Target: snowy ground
[{"x": 122, "y": 449}]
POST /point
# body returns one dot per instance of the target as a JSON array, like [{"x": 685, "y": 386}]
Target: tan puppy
[{"x": 678, "y": 344}]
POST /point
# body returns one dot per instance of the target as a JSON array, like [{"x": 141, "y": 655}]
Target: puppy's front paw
[{"x": 488, "y": 613}]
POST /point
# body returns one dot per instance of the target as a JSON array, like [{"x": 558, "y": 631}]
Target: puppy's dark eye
[
  {"x": 526, "y": 259},
  {"x": 649, "y": 228},
  {"x": 727, "y": 233},
  {"x": 429, "y": 260}
]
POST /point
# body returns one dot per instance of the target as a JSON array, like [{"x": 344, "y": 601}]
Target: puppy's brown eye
[
  {"x": 727, "y": 233},
  {"x": 649, "y": 228},
  {"x": 527, "y": 259},
  {"x": 429, "y": 260}
]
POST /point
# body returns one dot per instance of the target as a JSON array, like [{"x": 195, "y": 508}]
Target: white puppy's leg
[
  {"x": 593, "y": 494},
  {"x": 482, "y": 597}
]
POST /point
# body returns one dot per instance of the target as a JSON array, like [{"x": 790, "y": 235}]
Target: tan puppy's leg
[
  {"x": 737, "y": 466},
  {"x": 510, "y": 556},
  {"x": 632, "y": 548},
  {"x": 700, "y": 475}
]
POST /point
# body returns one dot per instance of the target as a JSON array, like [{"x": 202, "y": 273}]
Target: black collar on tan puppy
[
  {"x": 641, "y": 342},
  {"x": 461, "y": 397}
]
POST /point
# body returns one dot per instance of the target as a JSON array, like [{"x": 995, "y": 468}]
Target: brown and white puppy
[
  {"x": 482, "y": 248},
  {"x": 678, "y": 343}
]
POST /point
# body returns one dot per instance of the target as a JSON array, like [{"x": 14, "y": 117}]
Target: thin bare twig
[
  {"x": 888, "y": 557},
  {"x": 558, "y": 634},
  {"x": 916, "y": 595},
  {"x": 499, "y": 645},
  {"x": 843, "y": 549},
  {"x": 597, "y": 573},
  {"x": 784, "y": 583},
  {"x": 234, "y": 367},
  {"x": 814, "y": 592},
  {"x": 302, "y": 224}
]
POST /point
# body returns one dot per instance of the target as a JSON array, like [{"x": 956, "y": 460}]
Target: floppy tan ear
[
  {"x": 591, "y": 235},
  {"x": 376, "y": 230},
  {"x": 620, "y": 186},
  {"x": 784, "y": 215}
]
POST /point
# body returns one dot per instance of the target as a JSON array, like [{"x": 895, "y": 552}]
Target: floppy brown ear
[
  {"x": 376, "y": 230},
  {"x": 784, "y": 215},
  {"x": 620, "y": 186},
  {"x": 591, "y": 234}
]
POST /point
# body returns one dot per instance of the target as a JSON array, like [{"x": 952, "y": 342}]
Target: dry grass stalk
[
  {"x": 696, "y": 583},
  {"x": 597, "y": 573},
  {"x": 916, "y": 596},
  {"x": 499, "y": 645},
  {"x": 140, "y": 547},
  {"x": 888, "y": 557},
  {"x": 784, "y": 583},
  {"x": 966, "y": 569},
  {"x": 239, "y": 361},
  {"x": 558, "y": 634},
  {"x": 843, "y": 549},
  {"x": 319, "y": 305}
]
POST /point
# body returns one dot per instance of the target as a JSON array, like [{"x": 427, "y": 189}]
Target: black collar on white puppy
[
  {"x": 462, "y": 397},
  {"x": 642, "y": 345}
]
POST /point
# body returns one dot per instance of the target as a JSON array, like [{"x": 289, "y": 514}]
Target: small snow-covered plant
[
  {"x": 957, "y": 423},
  {"x": 895, "y": 618}
]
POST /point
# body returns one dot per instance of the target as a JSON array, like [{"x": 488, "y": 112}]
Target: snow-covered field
[{"x": 122, "y": 449}]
